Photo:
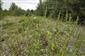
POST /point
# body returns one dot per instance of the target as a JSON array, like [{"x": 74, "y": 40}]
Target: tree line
[
  {"x": 62, "y": 9},
  {"x": 65, "y": 9},
  {"x": 14, "y": 10}
]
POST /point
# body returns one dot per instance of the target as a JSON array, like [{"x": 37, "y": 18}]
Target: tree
[
  {"x": 28, "y": 12},
  {"x": 1, "y": 12},
  {"x": 13, "y": 7},
  {"x": 0, "y": 5},
  {"x": 40, "y": 9},
  {"x": 62, "y": 7},
  {"x": 15, "y": 10}
]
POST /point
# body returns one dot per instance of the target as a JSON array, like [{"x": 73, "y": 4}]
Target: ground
[{"x": 40, "y": 36}]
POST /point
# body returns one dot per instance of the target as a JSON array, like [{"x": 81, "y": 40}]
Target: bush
[{"x": 1, "y": 15}]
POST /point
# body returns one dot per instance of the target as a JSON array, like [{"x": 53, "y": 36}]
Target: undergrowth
[{"x": 40, "y": 36}]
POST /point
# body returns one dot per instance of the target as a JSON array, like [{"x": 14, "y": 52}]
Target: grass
[{"x": 40, "y": 36}]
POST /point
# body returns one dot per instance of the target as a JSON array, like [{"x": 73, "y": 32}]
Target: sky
[{"x": 24, "y": 4}]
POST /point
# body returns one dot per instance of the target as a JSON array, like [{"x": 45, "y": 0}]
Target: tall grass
[{"x": 39, "y": 36}]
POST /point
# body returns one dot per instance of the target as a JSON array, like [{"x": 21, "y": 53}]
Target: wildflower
[
  {"x": 52, "y": 46},
  {"x": 48, "y": 33},
  {"x": 34, "y": 17}
]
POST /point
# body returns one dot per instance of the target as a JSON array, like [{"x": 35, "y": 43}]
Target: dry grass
[{"x": 39, "y": 36}]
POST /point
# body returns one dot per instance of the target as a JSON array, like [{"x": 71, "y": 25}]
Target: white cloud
[{"x": 24, "y": 4}]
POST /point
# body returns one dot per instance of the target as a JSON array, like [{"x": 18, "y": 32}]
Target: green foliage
[
  {"x": 1, "y": 13},
  {"x": 13, "y": 7},
  {"x": 53, "y": 7},
  {"x": 14, "y": 10},
  {"x": 0, "y": 5},
  {"x": 28, "y": 12}
]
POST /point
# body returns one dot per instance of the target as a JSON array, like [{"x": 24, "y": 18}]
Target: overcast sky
[{"x": 24, "y": 4}]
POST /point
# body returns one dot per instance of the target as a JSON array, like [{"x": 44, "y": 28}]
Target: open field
[{"x": 40, "y": 36}]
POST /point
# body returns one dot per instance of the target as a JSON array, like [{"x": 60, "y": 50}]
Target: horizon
[{"x": 24, "y": 4}]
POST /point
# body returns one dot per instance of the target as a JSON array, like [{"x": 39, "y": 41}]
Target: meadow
[{"x": 40, "y": 36}]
